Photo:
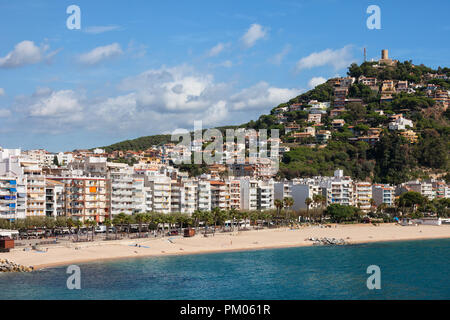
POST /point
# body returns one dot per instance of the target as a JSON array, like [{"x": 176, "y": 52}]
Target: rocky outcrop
[
  {"x": 327, "y": 241},
  {"x": 9, "y": 266}
]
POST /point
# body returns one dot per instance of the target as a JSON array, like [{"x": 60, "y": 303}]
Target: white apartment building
[
  {"x": 204, "y": 195},
  {"x": 234, "y": 190},
  {"x": 121, "y": 188},
  {"x": 161, "y": 192},
  {"x": 338, "y": 189},
  {"x": 11, "y": 169},
  {"x": 54, "y": 198},
  {"x": 35, "y": 188},
  {"x": 362, "y": 195},
  {"x": 423, "y": 187},
  {"x": 64, "y": 158},
  {"x": 184, "y": 194},
  {"x": 249, "y": 194},
  {"x": 8, "y": 198},
  {"x": 265, "y": 194},
  {"x": 142, "y": 195},
  {"x": 220, "y": 197}
]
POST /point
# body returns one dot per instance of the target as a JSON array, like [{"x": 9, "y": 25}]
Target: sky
[{"x": 138, "y": 68}]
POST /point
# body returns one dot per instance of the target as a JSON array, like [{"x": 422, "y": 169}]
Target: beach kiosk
[
  {"x": 189, "y": 232},
  {"x": 6, "y": 243}
]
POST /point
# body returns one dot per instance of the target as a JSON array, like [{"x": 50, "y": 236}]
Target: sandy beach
[{"x": 237, "y": 241}]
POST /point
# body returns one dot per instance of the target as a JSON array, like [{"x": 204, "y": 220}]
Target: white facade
[
  {"x": 400, "y": 124},
  {"x": 363, "y": 195}
]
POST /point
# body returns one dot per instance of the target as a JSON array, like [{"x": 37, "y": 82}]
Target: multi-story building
[
  {"x": 142, "y": 196},
  {"x": 338, "y": 189},
  {"x": 54, "y": 198},
  {"x": 409, "y": 135},
  {"x": 8, "y": 198},
  {"x": 204, "y": 195},
  {"x": 442, "y": 97},
  {"x": 161, "y": 192},
  {"x": 249, "y": 194},
  {"x": 368, "y": 81},
  {"x": 383, "y": 193},
  {"x": 439, "y": 188},
  {"x": 220, "y": 197},
  {"x": 362, "y": 192},
  {"x": 265, "y": 195},
  {"x": 425, "y": 188},
  {"x": 315, "y": 117},
  {"x": 86, "y": 198},
  {"x": 184, "y": 195},
  {"x": 402, "y": 86},
  {"x": 234, "y": 190},
  {"x": 35, "y": 184},
  {"x": 121, "y": 188}
]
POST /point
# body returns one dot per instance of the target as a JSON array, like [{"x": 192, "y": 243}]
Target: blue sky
[{"x": 146, "y": 67}]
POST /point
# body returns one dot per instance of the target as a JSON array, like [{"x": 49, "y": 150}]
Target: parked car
[{"x": 100, "y": 229}]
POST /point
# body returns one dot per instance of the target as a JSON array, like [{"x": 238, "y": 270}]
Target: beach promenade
[{"x": 73, "y": 253}]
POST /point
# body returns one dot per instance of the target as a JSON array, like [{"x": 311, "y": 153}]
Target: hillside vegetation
[{"x": 392, "y": 159}]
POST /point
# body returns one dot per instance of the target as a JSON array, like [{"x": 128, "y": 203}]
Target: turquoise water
[{"x": 409, "y": 270}]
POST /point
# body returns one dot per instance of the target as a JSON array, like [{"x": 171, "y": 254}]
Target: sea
[{"x": 403, "y": 270}]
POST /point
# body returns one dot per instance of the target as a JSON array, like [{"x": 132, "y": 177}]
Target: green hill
[{"x": 392, "y": 159}]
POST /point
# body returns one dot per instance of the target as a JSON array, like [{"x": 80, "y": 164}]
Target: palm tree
[
  {"x": 288, "y": 203},
  {"x": 233, "y": 214},
  {"x": 245, "y": 215},
  {"x": 254, "y": 215},
  {"x": 108, "y": 224},
  {"x": 70, "y": 224},
  {"x": 216, "y": 216},
  {"x": 93, "y": 224},
  {"x": 308, "y": 202},
  {"x": 279, "y": 205},
  {"x": 78, "y": 224},
  {"x": 206, "y": 217},
  {"x": 139, "y": 217},
  {"x": 171, "y": 219},
  {"x": 196, "y": 216},
  {"x": 87, "y": 224},
  {"x": 116, "y": 221},
  {"x": 321, "y": 200},
  {"x": 120, "y": 220}
]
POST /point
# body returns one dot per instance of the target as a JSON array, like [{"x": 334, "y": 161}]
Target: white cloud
[
  {"x": 25, "y": 52},
  {"x": 56, "y": 104},
  {"x": 155, "y": 101},
  {"x": 339, "y": 58},
  {"x": 2, "y": 92},
  {"x": 279, "y": 57},
  {"x": 315, "y": 81},
  {"x": 5, "y": 113},
  {"x": 253, "y": 34},
  {"x": 262, "y": 96},
  {"x": 100, "y": 54},
  {"x": 100, "y": 29},
  {"x": 214, "y": 51},
  {"x": 49, "y": 109}
]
